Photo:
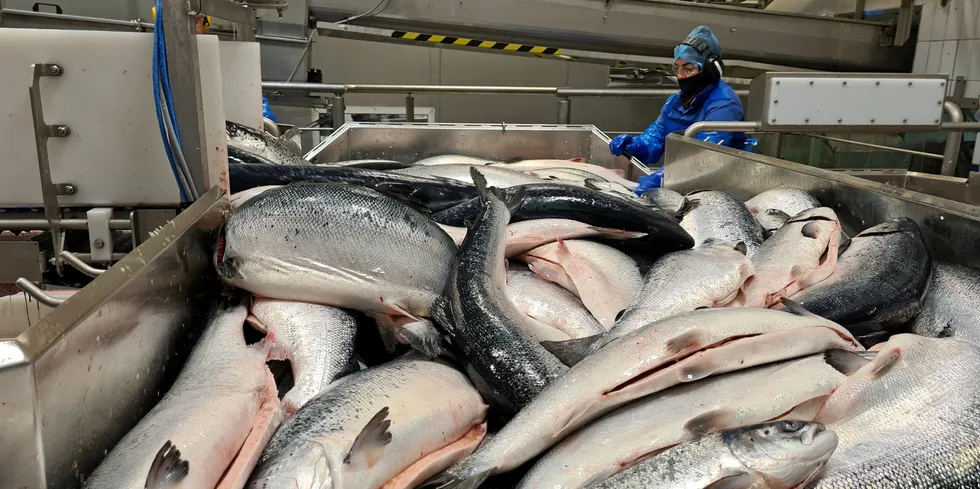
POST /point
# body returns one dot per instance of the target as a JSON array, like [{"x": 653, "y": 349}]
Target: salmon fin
[
  {"x": 590, "y": 183},
  {"x": 427, "y": 344},
  {"x": 795, "y": 308},
  {"x": 778, "y": 214},
  {"x": 685, "y": 341},
  {"x": 620, "y": 315},
  {"x": 388, "y": 337},
  {"x": 742, "y": 248},
  {"x": 742, "y": 480},
  {"x": 885, "y": 361},
  {"x": 396, "y": 310},
  {"x": 711, "y": 421},
  {"x": 489, "y": 394},
  {"x": 440, "y": 313},
  {"x": 811, "y": 229},
  {"x": 449, "y": 481},
  {"x": 167, "y": 469},
  {"x": 697, "y": 371},
  {"x": 570, "y": 352},
  {"x": 611, "y": 233},
  {"x": 845, "y": 362},
  {"x": 369, "y": 445},
  {"x": 514, "y": 198},
  {"x": 403, "y": 193},
  {"x": 256, "y": 323},
  {"x": 482, "y": 190}
]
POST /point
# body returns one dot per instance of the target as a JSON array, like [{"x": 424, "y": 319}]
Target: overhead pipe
[{"x": 952, "y": 151}]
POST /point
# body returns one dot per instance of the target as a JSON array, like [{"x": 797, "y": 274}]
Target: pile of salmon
[{"x": 462, "y": 323}]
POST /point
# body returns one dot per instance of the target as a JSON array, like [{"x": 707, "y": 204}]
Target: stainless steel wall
[{"x": 349, "y": 61}]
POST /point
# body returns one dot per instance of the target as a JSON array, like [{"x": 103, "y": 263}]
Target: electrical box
[{"x": 834, "y": 101}]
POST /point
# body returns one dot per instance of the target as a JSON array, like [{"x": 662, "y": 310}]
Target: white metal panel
[
  {"x": 855, "y": 101},
  {"x": 114, "y": 155},
  {"x": 935, "y": 56},
  {"x": 939, "y": 20},
  {"x": 241, "y": 82},
  {"x": 213, "y": 111},
  {"x": 921, "y": 55},
  {"x": 948, "y": 60},
  {"x": 967, "y": 19}
]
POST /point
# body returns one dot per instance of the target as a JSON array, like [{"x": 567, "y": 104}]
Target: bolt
[
  {"x": 774, "y": 121},
  {"x": 872, "y": 121},
  {"x": 839, "y": 120},
  {"x": 775, "y": 101},
  {"x": 905, "y": 121},
  {"x": 845, "y": 83},
  {"x": 777, "y": 82},
  {"x": 62, "y": 131},
  {"x": 806, "y": 120},
  {"x": 939, "y": 102},
  {"x": 55, "y": 70},
  {"x": 70, "y": 189},
  {"x": 98, "y": 243},
  {"x": 811, "y": 82},
  {"x": 942, "y": 84},
  {"x": 936, "y": 121},
  {"x": 877, "y": 83}
]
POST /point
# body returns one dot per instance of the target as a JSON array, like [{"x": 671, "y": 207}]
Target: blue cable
[{"x": 158, "y": 75}]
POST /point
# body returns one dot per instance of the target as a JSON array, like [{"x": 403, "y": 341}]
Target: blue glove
[
  {"x": 651, "y": 181},
  {"x": 619, "y": 143},
  {"x": 646, "y": 149},
  {"x": 266, "y": 111}
]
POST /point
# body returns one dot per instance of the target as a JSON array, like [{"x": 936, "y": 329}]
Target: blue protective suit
[{"x": 715, "y": 103}]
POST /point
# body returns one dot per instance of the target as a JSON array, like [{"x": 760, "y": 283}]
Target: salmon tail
[
  {"x": 511, "y": 199},
  {"x": 570, "y": 352},
  {"x": 450, "y": 480},
  {"x": 167, "y": 469}
]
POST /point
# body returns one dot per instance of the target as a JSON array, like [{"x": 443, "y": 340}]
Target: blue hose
[{"x": 161, "y": 82}]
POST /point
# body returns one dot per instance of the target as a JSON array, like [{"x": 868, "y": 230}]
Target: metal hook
[
  {"x": 39, "y": 295},
  {"x": 79, "y": 265}
]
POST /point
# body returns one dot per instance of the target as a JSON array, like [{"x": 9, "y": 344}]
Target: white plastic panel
[
  {"x": 241, "y": 82},
  {"x": 853, "y": 101},
  {"x": 114, "y": 155}
]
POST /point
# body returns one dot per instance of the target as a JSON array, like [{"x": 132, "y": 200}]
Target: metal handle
[
  {"x": 80, "y": 265},
  {"x": 57, "y": 8},
  {"x": 39, "y": 295}
]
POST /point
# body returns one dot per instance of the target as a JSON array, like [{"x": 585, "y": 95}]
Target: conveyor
[{"x": 645, "y": 27}]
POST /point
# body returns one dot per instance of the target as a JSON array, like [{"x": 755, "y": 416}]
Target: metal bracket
[
  {"x": 39, "y": 295},
  {"x": 42, "y": 132},
  {"x": 100, "y": 237},
  {"x": 80, "y": 265}
]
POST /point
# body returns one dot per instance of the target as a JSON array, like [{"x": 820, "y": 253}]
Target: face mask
[{"x": 692, "y": 86}]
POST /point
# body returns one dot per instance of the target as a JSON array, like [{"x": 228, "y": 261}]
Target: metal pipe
[
  {"x": 733, "y": 126},
  {"x": 337, "y": 110},
  {"x": 450, "y": 89},
  {"x": 616, "y": 92},
  {"x": 564, "y": 110},
  {"x": 959, "y": 127},
  {"x": 81, "y": 266},
  {"x": 872, "y": 145},
  {"x": 39, "y": 295},
  {"x": 73, "y": 224},
  {"x": 336, "y": 88},
  {"x": 410, "y": 108},
  {"x": 951, "y": 153},
  {"x": 304, "y": 87}
]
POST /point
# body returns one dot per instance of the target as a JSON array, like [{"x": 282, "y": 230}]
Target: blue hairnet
[{"x": 691, "y": 55}]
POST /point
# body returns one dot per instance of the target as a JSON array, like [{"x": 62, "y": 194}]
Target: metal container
[
  {"x": 951, "y": 229},
  {"x": 504, "y": 142},
  {"x": 80, "y": 377}
]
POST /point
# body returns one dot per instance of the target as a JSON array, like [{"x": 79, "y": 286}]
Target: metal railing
[{"x": 564, "y": 95}]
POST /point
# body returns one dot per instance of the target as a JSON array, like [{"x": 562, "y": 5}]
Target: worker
[{"x": 704, "y": 96}]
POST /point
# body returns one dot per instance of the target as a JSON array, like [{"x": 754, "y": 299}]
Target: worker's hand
[
  {"x": 651, "y": 181},
  {"x": 619, "y": 143}
]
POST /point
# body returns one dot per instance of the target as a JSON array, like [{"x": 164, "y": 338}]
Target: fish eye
[{"x": 791, "y": 426}]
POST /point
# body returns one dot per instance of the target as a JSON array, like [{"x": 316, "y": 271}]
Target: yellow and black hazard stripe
[{"x": 474, "y": 43}]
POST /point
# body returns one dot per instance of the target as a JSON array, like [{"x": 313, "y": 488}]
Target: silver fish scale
[
  {"x": 547, "y": 300},
  {"x": 880, "y": 277},
  {"x": 420, "y": 395},
  {"x": 919, "y": 422},
  {"x": 319, "y": 341},
  {"x": 692, "y": 465},
  {"x": 336, "y": 244},
  {"x": 483, "y": 317},
  {"x": 262, "y": 144},
  {"x": 950, "y": 305},
  {"x": 720, "y": 216}
]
